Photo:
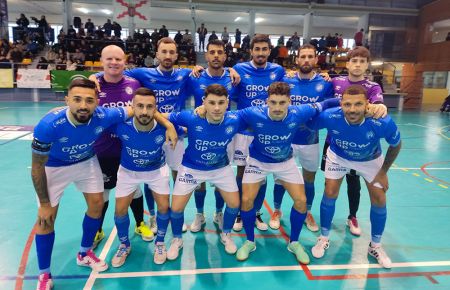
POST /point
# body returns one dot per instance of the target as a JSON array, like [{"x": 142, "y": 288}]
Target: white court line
[
  {"x": 264, "y": 269},
  {"x": 418, "y": 125},
  {"x": 91, "y": 280}
]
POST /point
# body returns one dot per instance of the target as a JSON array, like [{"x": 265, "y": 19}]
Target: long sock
[
  {"x": 162, "y": 221},
  {"x": 123, "y": 225},
  {"x": 354, "y": 193},
  {"x": 44, "y": 249},
  {"x": 378, "y": 221},
  {"x": 220, "y": 203},
  {"x": 177, "y": 220},
  {"x": 310, "y": 193},
  {"x": 228, "y": 218},
  {"x": 137, "y": 207},
  {"x": 105, "y": 208},
  {"x": 248, "y": 219},
  {"x": 278, "y": 193},
  {"x": 239, "y": 185},
  {"x": 297, "y": 218},
  {"x": 90, "y": 227},
  {"x": 259, "y": 200},
  {"x": 149, "y": 199},
  {"x": 199, "y": 196},
  {"x": 327, "y": 207}
]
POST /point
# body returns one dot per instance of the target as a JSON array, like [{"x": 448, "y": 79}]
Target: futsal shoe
[
  {"x": 227, "y": 241},
  {"x": 299, "y": 252},
  {"x": 353, "y": 226},
  {"x": 45, "y": 282},
  {"x": 237, "y": 227},
  {"x": 259, "y": 223},
  {"x": 244, "y": 251},
  {"x": 99, "y": 236},
  {"x": 92, "y": 261},
  {"x": 378, "y": 253},
  {"x": 218, "y": 219},
  {"x": 160, "y": 254},
  {"x": 311, "y": 223},
  {"x": 120, "y": 256},
  {"x": 184, "y": 228},
  {"x": 274, "y": 222},
  {"x": 175, "y": 246},
  {"x": 198, "y": 223},
  {"x": 318, "y": 251},
  {"x": 144, "y": 231}
]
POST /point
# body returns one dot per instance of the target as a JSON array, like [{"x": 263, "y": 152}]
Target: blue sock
[
  {"x": 310, "y": 193},
  {"x": 278, "y": 193},
  {"x": 239, "y": 185},
  {"x": 248, "y": 219},
  {"x": 327, "y": 207},
  {"x": 220, "y": 203},
  {"x": 90, "y": 227},
  {"x": 177, "y": 220},
  {"x": 259, "y": 200},
  {"x": 297, "y": 218},
  {"x": 123, "y": 225},
  {"x": 228, "y": 218},
  {"x": 378, "y": 221},
  {"x": 200, "y": 196},
  {"x": 44, "y": 248},
  {"x": 149, "y": 199},
  {"x": 162, "y": 221}
]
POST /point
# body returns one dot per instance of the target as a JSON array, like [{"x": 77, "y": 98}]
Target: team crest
[
  {"x": 229, "y": 130},
  {"x": 98, "y": 130},
  {"x": 292, "y": 125},
  {"x": 370, "y": 135},
  {"x": 129, "y": 90},
  {"x": 273, "y": 76},
  {"x": 179, "y": 78},
  {"x": 319, "y": 87},
  {"x": 159, "y": 139},
  {"x": 229, "y": 86},
  {"x": 125, "y": 137}
]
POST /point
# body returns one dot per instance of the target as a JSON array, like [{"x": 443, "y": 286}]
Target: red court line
[
  {"x": 423, "y": 168},
  {"x": 24, "y": 260}
]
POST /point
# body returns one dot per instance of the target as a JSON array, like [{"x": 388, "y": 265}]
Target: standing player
[
  {"x": 256, "y": 76},
  {"x": 306, "y": 87},
  {"x": 355, "y": 144},
  {"x": 213, "y": 74},
  {"x": 117, "y": 91},
  {"x": 357, "y": 64}
]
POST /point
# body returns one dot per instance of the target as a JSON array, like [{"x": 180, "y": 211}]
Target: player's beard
[
  {"x": 306, "y": 69},
  {"x": 82, "y": 118},
  {"x": 167, "y": 64},
  {"x": 354, "y": 118},
  {"x": 146, "y": 121},
  {"x": 260, "y": 60}
]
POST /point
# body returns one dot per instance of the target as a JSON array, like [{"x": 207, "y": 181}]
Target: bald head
[{"x": 113, "y": 61}]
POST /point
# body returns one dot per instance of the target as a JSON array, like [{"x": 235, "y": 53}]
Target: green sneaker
[
  {"x": 244, "y": 251},
  {"x": 299, "y": 252}
]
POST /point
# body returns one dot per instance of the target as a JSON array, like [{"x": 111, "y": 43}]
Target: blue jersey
[
  {"x": 141, "y": 151},
  {"x": 307, "y": 91},
  {"x": 359, "y": 142},
  {"x": 207, "y": 143},
  {"x": 255, "y": 82},
  {"x": 66, "y": 143},
  {"x": 273, "y": 139},
  {"x": 198, "y": 85}
]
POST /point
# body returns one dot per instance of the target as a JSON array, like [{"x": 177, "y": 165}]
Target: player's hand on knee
[
  {"x": 46, "y": 216},
  {"x": 382, "y": 179},
  {"x": 376, "y": 111},
  {"x": 200, "y": 111}
]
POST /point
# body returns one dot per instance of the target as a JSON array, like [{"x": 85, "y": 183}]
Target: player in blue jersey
[
  {"x": 355, "y": 144},
  {"x": 270, "y": 152},
  {"x": 206, "y": 160},
  {"x": 213, "y": 74},
  {"x": 142, "y": 161},
  {"x": 306, "y": 87},
  {"x": 256, "y": 76}
]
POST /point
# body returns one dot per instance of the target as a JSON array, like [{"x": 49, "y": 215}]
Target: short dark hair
[
  {"x": 360, "y": 51},
  {"x": 166, "y": 40},
  {"x": 82, "y": 83},
  {"x": 354, "y": 90},
  {"x": 279, "y": 88},
  {"x": 258, "y": 38},
  {"x": 144, "y": 92},
  {"x": 217, "y": 90},
  {"x": 307, "y": 46},
  {"x": 215, "y": 42}
]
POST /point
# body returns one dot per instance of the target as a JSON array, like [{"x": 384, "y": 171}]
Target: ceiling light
[
  {"x": 106, "y": 11},
  {"x": 376, "y": 63},
  {"x": 259, "y": 19},
  {"x": 237, "y": 19},
  {"x": 83, "y": 10}
]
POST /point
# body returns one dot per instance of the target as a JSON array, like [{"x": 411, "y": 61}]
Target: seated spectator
[
  {"x": 78, "y": 55},
  {"x": 15, "y": 55},
  {"x": 332, "y": 72},
  {"x": 148, "y": 62},
  {"x": 60, "y": 63},
  {"x": 42, "y": 64},
  {"x": 4, "y": 61},
  {"x": 343, "y": 72},
  {"x": 71, "y": 32}
]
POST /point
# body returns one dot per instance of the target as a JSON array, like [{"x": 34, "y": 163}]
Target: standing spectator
[
  {"x": 43, "y": 25},
  {"x": 89, "y": 26},
  {"x": 359, "y": 37},
  {"x": 107, "y": 27},
  {"x": 378, "y": 78},
  {"x": 246, "y": 43},
  {"x": 329, "y": 40},
  {"x": 187, "y": 38},
  {"x": 281, "y": 40},
  {"x": 340, "y": 41},
  {"x": 163, "y": 32},
  {"x": 295, "y": 42},
  {"x": 322, "y": 45},
  {"x": 117, "y": 29},
  {"x": 448, "y": 37},
  {"x": 213, "y": 36},
  {"x": 225, "y": 36},
  {"x": 178, "y": 38},
  {"x": 71, "y": 32},
  {"x": 238, "y": 37},
  {"x": 22, "y": 21},
  {"x": 202, "y": 31},
  {"x": 155, "y": 37}
]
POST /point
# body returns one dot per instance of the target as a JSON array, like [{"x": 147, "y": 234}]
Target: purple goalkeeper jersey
[
  {"x": 374, "y": 92},
  {"x": 114, "y": 95}
]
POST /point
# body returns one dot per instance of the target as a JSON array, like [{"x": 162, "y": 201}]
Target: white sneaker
[
  {"x": 353, "y": 225},
  {"x": 152, "y": 224},
  {"x": 311, "y": 223},
  {"x": 45, "y": 282},
  {"x": 174, "y": 249},
  {"x": 274, "y": 222},
  {"x": 323, "y": 243},
  {"x": 218, "y": 219},
  {"x": 237, "y": 227},
  {"x": 227, "y": 241},
  {"x": 160, "y": 254},
  {"x": 378, "y": 253},
  {"x": 198, "y": 223},
  {"x": 260, "y": 224},
  {"x": 91, "y": 260},
  {"x": 184, "y": 228},
  {"x": 120, "y": 256}
]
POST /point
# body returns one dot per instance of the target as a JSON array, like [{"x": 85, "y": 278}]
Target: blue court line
[{"x": 56, "y": 277}]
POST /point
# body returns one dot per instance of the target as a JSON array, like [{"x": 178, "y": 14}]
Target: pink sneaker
[
  {"x": 352, "y": 223},
  {"x": 91, "y": 260},
  {"x": 45, "y": 282}
]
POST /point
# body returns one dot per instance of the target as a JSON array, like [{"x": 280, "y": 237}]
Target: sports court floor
[{"x": 417, "y": 235}]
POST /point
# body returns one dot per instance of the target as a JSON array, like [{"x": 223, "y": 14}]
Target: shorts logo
[
  {"x": 258, "y": 103},
  {"x": 251, "y": 169},
  {"x": 208, "y": 156},
  {"x": 272, "y": 149},
  {"x": 129, "y": 90},
  {"x": 166, "y": 109},
  {"x": 238, "y": 152},
  {"x": 98, "y": 130},
  {"x": 229, "y": 130},
  {"x": 338, "y": 169},
  {"x": 187, "y": 178},
  {"x": 63, "y": 140},
  {"x": 159, "y": 139}
]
